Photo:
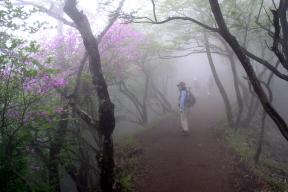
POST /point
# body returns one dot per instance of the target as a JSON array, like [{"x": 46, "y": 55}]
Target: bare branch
[
  {"x": 192, "y": 52},
  {"x": 148, "y": 20},
  {"x": 261, "y": 6},
  {"x": 154, "y": 10},
  {"x": 155, "y": 21},
  {"x": 266, "y": 64},
  {"x": 232, "y": 41},
  {"x": 111, "y": 21},
  {"x": 48, "y": 12}
]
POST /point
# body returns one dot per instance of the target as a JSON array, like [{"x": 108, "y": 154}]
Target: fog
[{"x": 123, "y": 95}]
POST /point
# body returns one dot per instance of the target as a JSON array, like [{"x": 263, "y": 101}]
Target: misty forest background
[{"x": 76, "y": 75}]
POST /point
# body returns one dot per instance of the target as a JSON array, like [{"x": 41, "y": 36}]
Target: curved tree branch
[{"x": 232, "y": 41}]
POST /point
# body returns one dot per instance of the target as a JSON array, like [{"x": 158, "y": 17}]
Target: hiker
[{"x": 186, "y": 100}]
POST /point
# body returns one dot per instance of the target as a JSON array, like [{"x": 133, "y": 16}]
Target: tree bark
[{"x": 106, "y": 107}]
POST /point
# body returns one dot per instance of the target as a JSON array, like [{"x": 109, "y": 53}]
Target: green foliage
[
  {"x": 14, "y": 18},
  {"x": 125, "y": 163},
  {"x": 240, "y": 17},
  {"x": 240, "y": 144},
  {"x": 24, "y": 119},
  {"x": 267, "y": 169}
]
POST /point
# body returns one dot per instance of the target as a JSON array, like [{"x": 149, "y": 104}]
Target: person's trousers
[{"x": 184, "y": 120}]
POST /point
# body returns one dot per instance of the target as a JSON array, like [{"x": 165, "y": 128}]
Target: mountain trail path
[{"x": 200, "y": 162}]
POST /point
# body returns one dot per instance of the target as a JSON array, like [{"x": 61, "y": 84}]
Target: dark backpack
[{"x": 190, "y": 99}]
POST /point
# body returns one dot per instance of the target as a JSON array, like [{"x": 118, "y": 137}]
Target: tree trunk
[
  {"x": 106, "y": 107},
  {"x": 218, "y": 82}
]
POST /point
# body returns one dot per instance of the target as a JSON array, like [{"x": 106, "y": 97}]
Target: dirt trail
[{"x": 200, "y": 162}]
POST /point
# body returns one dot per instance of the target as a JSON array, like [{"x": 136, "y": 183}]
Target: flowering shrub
[
  {"x": 30, "y": 76},
  {"x": 119, "y": 48}
]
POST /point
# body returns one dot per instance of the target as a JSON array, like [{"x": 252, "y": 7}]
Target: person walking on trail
[{"x": 186, "y": 100}]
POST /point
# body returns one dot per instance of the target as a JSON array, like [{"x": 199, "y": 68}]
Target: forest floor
[{"x": 200, "y": 162}]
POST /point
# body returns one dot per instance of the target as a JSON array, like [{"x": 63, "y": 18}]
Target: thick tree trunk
[
  {"x": 106, "y": 107},
  {"x": 218, "y": 82},
  {"x": 232, "y": 41}
]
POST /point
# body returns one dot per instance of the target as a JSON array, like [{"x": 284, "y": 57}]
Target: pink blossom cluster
[
  {"x": 119, "y": 48},
  {"x": 43, "y": 84},
  {"x": 69, "y": 46},
  {"x": 15, "y": 115},
  {"x": 122, "y": 38},
  {"x": 65, "y": 50}
]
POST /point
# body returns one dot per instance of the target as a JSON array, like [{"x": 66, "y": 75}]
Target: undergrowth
[
  {"x": 126, "y": 161},
  {"x": 271, "y": 171}
]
